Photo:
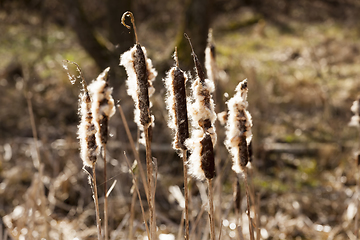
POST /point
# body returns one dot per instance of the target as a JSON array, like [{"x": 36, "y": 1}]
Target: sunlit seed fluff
[
  {"x": 87, "y": 130},
  {"x": 202, "y": 110},
  {"x": 141, "y": 74},
  {"x": 176, "y": 104},
  {"x": 238, "y": 128},
  {"x": 222, "y": 117},
  {"x": 102, "y": 105},
  {"x": 201, "y": 162},
  {"x": 355, "y": 108},
  {"x": 210, "y": 63}
]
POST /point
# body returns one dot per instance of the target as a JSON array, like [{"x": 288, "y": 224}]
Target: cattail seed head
[
  {"x": 201, "y": 161},
  {"x": 89, "y": 150},
  {"x": 176, "y": 104},
  {"x": 207, "y": 156},
  {"x": 103, "y": 106},
  {"x": 202, "y": 107},
  {"x": 238, "y": 128},
  {"x": 140, "y": 76}
]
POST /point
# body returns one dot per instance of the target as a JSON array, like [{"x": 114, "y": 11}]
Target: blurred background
[{"x": 301, "y": 59}]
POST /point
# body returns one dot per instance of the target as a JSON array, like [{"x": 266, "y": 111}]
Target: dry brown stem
[
  {"x": 151, "y": 193},
  {"x": 211, "y": 208},
  {"x": 96, "y": 199},
  {"x": 251, "y": 230},
  {"x": 139, "y": 196},
  {"x": 105, "y": 196},
  {"x": 135, "y": 152},
  {"x": 186, "y": 193}
]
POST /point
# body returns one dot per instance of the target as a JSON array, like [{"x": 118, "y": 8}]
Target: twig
[
  {"x": 136, "y": 154},
  {"x": 139, "y": 196},
  {"x": 197, "y": 220},
  {"x": 257, "y": 216},
  {"x": 96, "y": 200},
  {"x": 181, "y": 225},
  {"x": 33, "y": 128},
  {"x": 132, "y": 215}
]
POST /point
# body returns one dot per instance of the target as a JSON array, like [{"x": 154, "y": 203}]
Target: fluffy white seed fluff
[
  {"x": 170, "y": 99},
  {"x": 236, "y": 105},
  {"x": 194, "y": 161},
  {"x": 102, "y": 102},
  {"x": 127, "y": 60},
  {"x": 210, "y": 64},
  {"x": 86, "y": 131},
  {"x": 201, "y": 108}
]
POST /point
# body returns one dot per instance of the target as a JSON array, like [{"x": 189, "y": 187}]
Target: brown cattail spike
[
  {"x": 250, "y": 149},
  {"x": 176, "y": 104},
  {"x": 143, "y": 85},
  {"x": 207, "y": 157},
  {"x": 237, "y": 195},
  {"x": 131, "y": 15},
  {"x": 243, "y": 151},
  {"x": 180, "y": 107},
  {"x": 199, "y": 70}
]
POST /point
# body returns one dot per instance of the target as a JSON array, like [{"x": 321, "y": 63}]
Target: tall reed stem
[
  {"x": 186, "y": 193},
  {"x": 151, "y": 193},
  {"x": 96, "y": 201},
  {"x": 105, "y": 195},
  {"x": 135, "y": 152},
  {"x": 251, "y": 230},
  {"x": 211, "y": 209},
  {"x": 139, "y": 196}
]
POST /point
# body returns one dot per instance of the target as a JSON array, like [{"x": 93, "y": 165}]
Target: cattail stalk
[
  {"x": 139, "y": 82},
  {"x": 96, "y": 200},
  {"x": 138, "y": 193},
  {"x": 142, "y": 175},
  {"x": 89, "y": 149},
  {"x": 178, "y": 122},
  {"x": 103, "y": 108},
  {"x": 212, "y": 73},
  {"x": 201, "y": 161},
  {"x": 238, "y": 137},
  {"x": 237, "y": 206}
]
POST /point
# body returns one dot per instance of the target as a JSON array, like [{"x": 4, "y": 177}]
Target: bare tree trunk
[
  {"x": 196, "y": 24},
  {"x": 85, "y": 33}
]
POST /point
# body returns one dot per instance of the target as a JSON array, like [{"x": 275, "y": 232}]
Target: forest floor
[{"x": 302, "y": 79}]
